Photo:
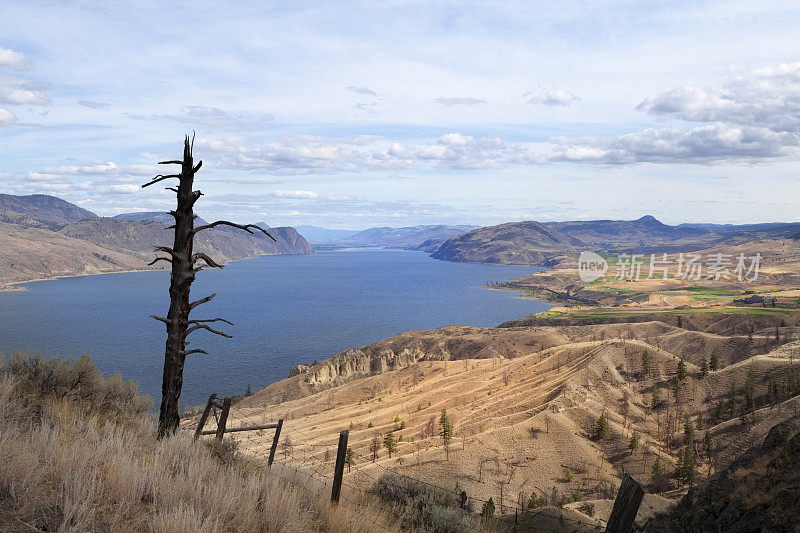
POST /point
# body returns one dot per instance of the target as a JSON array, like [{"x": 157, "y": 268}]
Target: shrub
[
  {"x": 425, "y": 506},
  {"x": 39, "y": 380}
]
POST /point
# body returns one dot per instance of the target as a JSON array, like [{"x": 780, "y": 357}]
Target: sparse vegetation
[{"x": 79, "y": 453}]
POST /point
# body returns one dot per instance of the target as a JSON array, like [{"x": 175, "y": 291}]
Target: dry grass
[{"x": 79, "y": 454}]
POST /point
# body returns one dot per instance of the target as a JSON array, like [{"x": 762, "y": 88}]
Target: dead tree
[{"x": 185, "y": 264}]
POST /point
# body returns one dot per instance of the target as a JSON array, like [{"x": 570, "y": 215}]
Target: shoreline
[{"x": 16, "y": 286}]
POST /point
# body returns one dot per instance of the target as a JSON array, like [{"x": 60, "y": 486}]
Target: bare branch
[
  {"x": 168, "y": 250},
  {"x": 203, "y": 257},
  {"x": 160, "y": 178},
  {"x": 189, "y": 352},
  {"x": 161, "y": 318},
  {"x": 207, "y": 328},
  {"x": 157, "y": 259},
  {"x": 173, "y": 162},
  {"x": 210, "y": 320},
  {"x": 245, "y": 227},
  {"x": 173, "y": 189},
  {"x": 197, "y": 167},
  {"x": 201, "y": 301}
]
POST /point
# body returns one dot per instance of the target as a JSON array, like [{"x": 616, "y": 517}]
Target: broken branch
[
  {"x": 203, "y": 257},
  {"x": 245, "y": 227},
  {"x": 160, "y": 178},
  {"x": 207, "y": 328},
  {"x": 157, "y": 259},
  {"x": 201, "y": 301}
]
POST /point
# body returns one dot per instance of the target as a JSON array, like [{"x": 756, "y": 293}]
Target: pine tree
[
  {"x": 633, "y": 445},
  {"x": 688, "y": 431},
  {"x": 601, "y": 427},
  {"x": 390, "y": 443},
  {"x": 657, "y": 472},
  {"x": 446, "y": 432},
  {"x": 447, "y": 428},
  {"x": 681, "y": 370},
  {"x": 714, "y": 366},
  {"x": 703, "y": 367},
  {"x": 655, "y": 400},
  {"x": 646, "y": 363}
]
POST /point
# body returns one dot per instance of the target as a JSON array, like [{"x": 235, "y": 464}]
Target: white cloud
[
  {"x": 307, "y": 154},
  {"x": 93, "y": 105},
  {"x": 215, "y": 118},
  {"x": 454, "y": 101},
  {"x": 553, "y": 98},
  {"x": 764, "y": 97},
  {"x": 12, "y": 59},
  {"x": 297, "y": 195},
  {"x": 7, "y": 118},
  {"x": 122, "y": 189},
  {"x": 9, "y": 95},
  {"x": 365, "y": 91},
  {"x": 703, "y": 144},
  {"x": 756, "y": 116}
]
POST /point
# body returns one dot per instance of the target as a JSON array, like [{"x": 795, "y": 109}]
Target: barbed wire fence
[{"x": 304, "y": 461}]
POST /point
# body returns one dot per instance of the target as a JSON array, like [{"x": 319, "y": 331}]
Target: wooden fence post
[
  {"x": 338, "y": 472},
  {"x": 204, "y": 416},
  {"x": 223, "y": 418},
  {"x": 275, "y": 442},
  {"x": 626, "y": 505}
]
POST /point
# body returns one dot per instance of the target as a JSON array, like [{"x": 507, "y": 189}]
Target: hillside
[
  {"x": 645, "y": 231},
  {"x": 512, "y": 243},
  {"x": 79, "y": 453},
  {"x": 759, "y": 491},
  {"x": 525, "y": 402},
  {"x": 47, "y": 210},
  {"x": 320, "y": 235},
  {"x": 34, "y": 246}
]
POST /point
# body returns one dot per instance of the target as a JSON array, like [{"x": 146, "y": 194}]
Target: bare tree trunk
[
  {"x": 180, "y": 284},
  {"x": 184, "y": 267}
]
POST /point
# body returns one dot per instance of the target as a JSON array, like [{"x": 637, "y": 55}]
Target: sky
[{"x": 398, "y": 113}]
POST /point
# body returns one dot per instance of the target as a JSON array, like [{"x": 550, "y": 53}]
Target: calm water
[{"x": 286, "y": 310}]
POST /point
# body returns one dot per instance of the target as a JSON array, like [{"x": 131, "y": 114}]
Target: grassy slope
[{"x": 78, "y": 454}]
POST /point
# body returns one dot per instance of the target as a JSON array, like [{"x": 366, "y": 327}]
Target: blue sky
[{"x": 350, "y": 115}]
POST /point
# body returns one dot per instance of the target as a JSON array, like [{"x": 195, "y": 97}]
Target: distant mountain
[
  {"x": 405, "y": 238},
  {"x": 522, "y": 243},
  {"x": 155, "y": 216},
  {"x": 30, "y": 250},
  {"x": 41, "y": 208},
  {"x": 319, "y": 235},
  {"x": 646, "y": 230}
]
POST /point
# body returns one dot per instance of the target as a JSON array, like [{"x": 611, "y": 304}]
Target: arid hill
[
  {"x": 50, "y": 237},
  {"x": 41, "y": 208},
  {"x": 528, "y": 243},
  {"x": 513, "y": 243},
  {"x": 525, "y": 403}
]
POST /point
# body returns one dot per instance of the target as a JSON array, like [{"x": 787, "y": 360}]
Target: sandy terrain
[{"x": 524, "y": 418}]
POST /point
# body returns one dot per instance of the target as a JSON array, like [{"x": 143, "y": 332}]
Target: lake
[{"x": 286, "y": 310}]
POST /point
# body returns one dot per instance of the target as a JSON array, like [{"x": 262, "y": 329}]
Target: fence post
[
  {"x": 275, "y": 442},
  {"x": 204, "y": 416},
  {"x": 338, "y": 471},
  {"x": 223, "y": 418},
  {"x": 629, "y": 498}
]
